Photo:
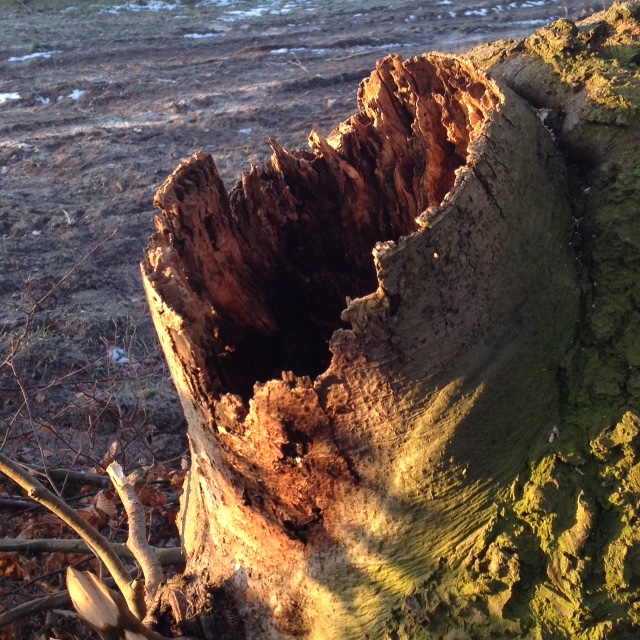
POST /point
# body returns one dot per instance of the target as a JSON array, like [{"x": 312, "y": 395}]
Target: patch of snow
[
  {"x": 452, "y": 14},
  {"x": 532, "y": 23},
  {"x": 5, "y": 97},
  {"x": 497, "y": 9},
  {"x": 443, "y": 2},
  {"x": 533, "y": 3},
  {"x": 245, "y": 132},
  {"x": 117, "y": 356},
  {"x": 234, "y": 16},
  {"x": 153, "y": 6},
  {"x": 200, "y": 36},
  {"x": 283, "y": 50},
  {"x": 32, "y": 56},
  {"x": 476, "y": 12},
  {"x": 43, "y": 101},
  {"x": 76, "y": 94}
]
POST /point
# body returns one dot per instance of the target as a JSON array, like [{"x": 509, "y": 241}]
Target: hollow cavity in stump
[{"x": 277, "y": 257}]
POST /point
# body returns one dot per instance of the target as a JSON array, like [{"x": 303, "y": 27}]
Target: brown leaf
[
  {"x": 40, "y": 397},
  {"x": 106, "y": 505},
  {"x": 161, "y": 497},
  {"x": 55, "y": 561},
  {"x": 92, "y": 516},
  {"x": 8, "y": 633},
  {"x": 144, "y": 495},
  {"x": 12, "y": 565},
  {"x": 26, "y": 533}
]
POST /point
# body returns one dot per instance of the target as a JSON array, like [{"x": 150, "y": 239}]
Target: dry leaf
[
  {"x": 160, "y": 497},
  {"x": 8, "y": 633},
  {"x": 106, "y": 505},
  {"x": 47, "y": 429},
  {"x": 12, "y": 566},
  {"x": 26, "y": 533},
  {"x": 92, "y": 516},
  {"x": 40, "y": 397}
]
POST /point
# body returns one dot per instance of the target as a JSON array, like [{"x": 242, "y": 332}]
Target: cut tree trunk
[{"x": 380, "y": 346}]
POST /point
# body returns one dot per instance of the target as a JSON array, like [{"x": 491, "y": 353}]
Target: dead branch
[
  {"x": 96, "y": 542},
  {"x": 166, "y": 556},
  {"x": 137, "y": 541},
  {"x": 35, "y": 606},
  {"x": 105, "y": 610},
  {"x": 69, "y": 475}
]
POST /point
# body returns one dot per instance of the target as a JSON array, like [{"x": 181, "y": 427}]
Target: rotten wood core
[{"x": 274, "y": 261}]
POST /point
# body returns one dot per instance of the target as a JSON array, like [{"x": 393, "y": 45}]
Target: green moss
[
  {"x": 562, "y": 557},
  {"x": 599, "y": 56}
]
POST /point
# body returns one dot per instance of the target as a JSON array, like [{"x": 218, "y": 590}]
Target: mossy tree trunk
[{"x": 388, "y": 358}]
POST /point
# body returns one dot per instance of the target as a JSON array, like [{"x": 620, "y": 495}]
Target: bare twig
[
  {"x": 96, "y": 542},
  {"x": 137, "y": 541},
  {"x": 16, "y": 345},
  {"x": 69, "y": 475},
  {"x": 298, "y": 63},
  {"x": 35, "y": 606},
  {"x": 166, "y": 556}
]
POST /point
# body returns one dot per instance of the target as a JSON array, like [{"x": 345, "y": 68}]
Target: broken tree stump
[{"x": 365, "y": 339}]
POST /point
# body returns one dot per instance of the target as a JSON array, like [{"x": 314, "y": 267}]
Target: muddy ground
[{"x": 98, "y": 104}]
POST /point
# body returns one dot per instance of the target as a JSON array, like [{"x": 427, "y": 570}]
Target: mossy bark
[{"x": 440, "y": 458}]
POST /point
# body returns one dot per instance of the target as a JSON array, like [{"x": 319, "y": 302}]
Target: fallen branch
[
  {"x": 137, "y": 541},
  {"x": 69, "y": 475},
  {"x": 104, "y": 609},
  {"x": 131, "y": 590},
  {"x": 166, "y": 556},
  {"x": 35, "y": 606}
]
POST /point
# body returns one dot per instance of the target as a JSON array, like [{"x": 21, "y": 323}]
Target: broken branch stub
[{"x": 339, "y": 454}]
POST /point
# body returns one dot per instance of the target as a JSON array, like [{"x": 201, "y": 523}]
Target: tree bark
[{"x": 370, "y": 344}]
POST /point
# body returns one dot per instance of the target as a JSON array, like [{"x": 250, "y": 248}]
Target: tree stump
[{"x": 365, "y": 338}]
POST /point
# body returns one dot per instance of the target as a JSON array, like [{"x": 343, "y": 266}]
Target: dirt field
[{"x": 98, "y": 104}]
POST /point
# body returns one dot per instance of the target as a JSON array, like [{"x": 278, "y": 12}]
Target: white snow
[
  {"x": 76, "y": 94},
  {"x": 283, "y": 50},
  {"x": 117, "y": 356},
  {"x": 245, "y": 132},
  {"x": 199, "y": 36},
  {"x": 476, "y": 12},
  {"x": 152, "y": 5},
  {"x": 32, "y": 56},
  {"x": 43, "y": 101},
  {"x": 5, "y": 97},
  {"x": 532, "y": 23}
]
